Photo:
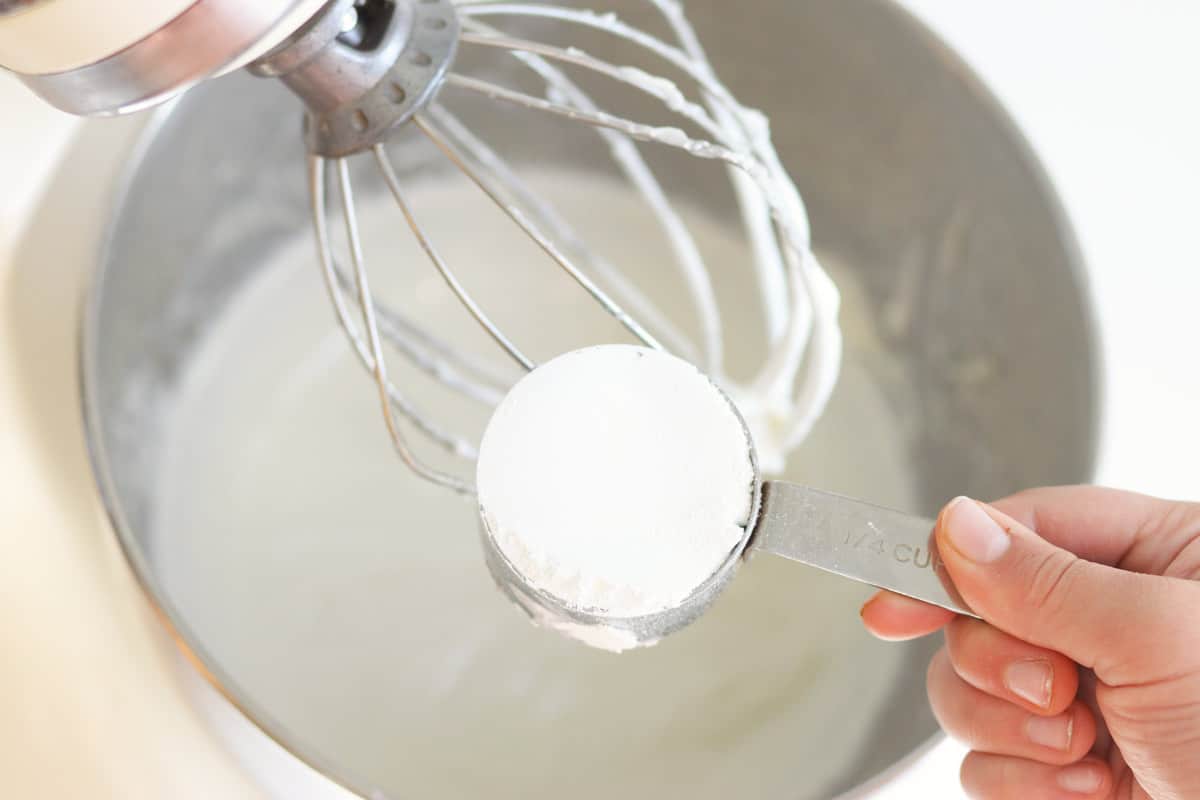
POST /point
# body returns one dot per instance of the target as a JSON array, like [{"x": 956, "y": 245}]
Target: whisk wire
[
  {"x": 637, "y": 79},
  {"x": 521, "y": 193},
  {"x": 393, "y": 184},
  {"x": 428, "y": 127},
  {"x": 799, "y": 301},
  {"x": 817, "y": 332},
  {"x": 760, "y": 230},
  {"x": 433, "y": 356},
  {"x": 688, "y": 257},
  {"x": 654, "y": 134},
  {"x": 775, "y": 273},
  {"x": 610, "y": 23},
  {"x": 370, "y": 351}
]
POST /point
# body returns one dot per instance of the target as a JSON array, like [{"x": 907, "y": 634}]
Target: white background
[{"x": 1107, "y": 92}]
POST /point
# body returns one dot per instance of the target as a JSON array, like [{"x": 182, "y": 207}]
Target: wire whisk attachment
[{"x": 367, "y": 69}]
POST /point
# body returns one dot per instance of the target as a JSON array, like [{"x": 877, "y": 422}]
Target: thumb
[{"x": 1126, "y": 626}]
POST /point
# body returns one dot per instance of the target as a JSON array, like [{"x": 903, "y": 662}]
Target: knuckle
[
  {"x": 936, "y": 688},
  {"x": 1189, "y": 593},
  {"x": 1175, "y": 517},
  {"x": 961, "y": 633},
  {"x": 933, "y": 665},
  {"x": 1051, "y": 581},
  {"x": 978, "y": 636},
  {"x": 956, "y": 636},
  {"x": 971, "y": 646},
  {"x": 1176, "y": 522},
  {"x": 966, "y": 776},
  {"x": 948, "y": 699},
  {"x": 1150, "y": 714},
  {"x": 1083, "y": 736},
  {"x": 933, "y": 686},
  {"x": 973, "y": 777}
]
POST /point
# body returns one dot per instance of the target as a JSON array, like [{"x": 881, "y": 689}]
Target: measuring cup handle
[{"x": 866, "y": 542}]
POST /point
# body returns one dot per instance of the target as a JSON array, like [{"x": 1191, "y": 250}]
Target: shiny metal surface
[
  {"x": 916, "y": 182},
  {"x": 861, "y": 541},
  {"x": 210, "y": 37},
  {"x": 357, "y": 95},
  {"x": 868, "y": 543}
]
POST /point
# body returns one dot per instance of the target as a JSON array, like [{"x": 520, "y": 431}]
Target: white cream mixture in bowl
[
  {"x": 464, "y": 671},
  {"x": 343, "y": 605}
]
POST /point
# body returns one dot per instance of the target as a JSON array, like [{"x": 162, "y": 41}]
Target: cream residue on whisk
[
  {"x": 617, "y": 479},
  {"x": 801, "y": 303},
  {"x": 803, "y": 356}
]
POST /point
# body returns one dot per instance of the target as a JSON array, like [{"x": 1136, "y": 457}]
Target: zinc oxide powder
[{"x": 617, "y": 479}]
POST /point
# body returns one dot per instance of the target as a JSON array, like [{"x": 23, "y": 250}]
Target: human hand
[{"x": 1083, "y": 683}]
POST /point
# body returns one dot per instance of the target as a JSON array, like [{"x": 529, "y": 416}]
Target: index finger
[{"x": 896, "y": 618}]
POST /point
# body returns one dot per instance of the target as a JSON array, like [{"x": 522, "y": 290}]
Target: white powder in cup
[{"x": 616, "y": 478}]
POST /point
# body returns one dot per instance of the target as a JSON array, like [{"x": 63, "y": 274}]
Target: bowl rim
[{"x": 191, "y": 646}]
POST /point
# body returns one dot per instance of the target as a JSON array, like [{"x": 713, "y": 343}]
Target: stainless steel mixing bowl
[{"x": 918, "y": 185}]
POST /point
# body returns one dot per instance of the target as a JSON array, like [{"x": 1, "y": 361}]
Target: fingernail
[
  {"x": 972, "y": 532},
  {"x": 1030, "y": 680},
  {"x": 1080, "y": 778},
  {"x": 1051, "y": 731}
]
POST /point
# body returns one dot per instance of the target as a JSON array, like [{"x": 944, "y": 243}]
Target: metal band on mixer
[
  {"x": 358, "y": 92},
  {"x": 208, "y": 38}
]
